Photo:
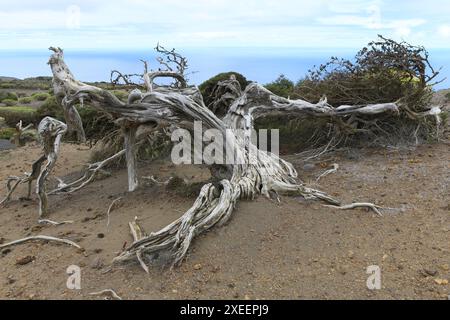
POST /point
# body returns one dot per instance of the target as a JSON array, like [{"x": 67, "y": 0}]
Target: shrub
[
  {"x": 25, "y": 100},
  {"x": 40, "y": 96},
  {"x": 10, "y": 102},
  {"x": 384, "y": 71},
  {"x": 13, "y": 115},
  {"x": 51, "y": 108},
  {"x": 8, "y": 96},
  {"x": 447, "y": 97},
  {"x": 120, "y": 94},
  {"x": 207, "y": 87},
  {"x": 282, "y": 86},
  {"x": 7, "y": 133}
]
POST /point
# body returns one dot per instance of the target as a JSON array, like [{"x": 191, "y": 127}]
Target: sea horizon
[{"x": 260, "y": 64}]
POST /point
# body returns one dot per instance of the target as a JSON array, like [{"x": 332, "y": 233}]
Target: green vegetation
[
  {"x": 50, "y": 108},
  {"x": 7, "y": 133},
  {"x": 207, "y": 87},
  {"x": 13, "y": 115},
  {"x": 120, "y": 94},
  {"x": 8, "y": 96},
  {"x": 37, "y": 83},
  {"x": 282, "y": 86},
  {"x": 25, "y": 100},
  {"x": 9, "y": 102},
  {"x": 40, "y": 96}
]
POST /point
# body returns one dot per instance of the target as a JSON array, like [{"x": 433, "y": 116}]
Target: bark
[{"x": 51, "y": 132}]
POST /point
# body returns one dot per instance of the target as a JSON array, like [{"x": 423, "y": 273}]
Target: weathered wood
[
  {"x": 129, "y": 133},
  {"x": 254, "y": 172},
  {"x": 51, "y": 132}
]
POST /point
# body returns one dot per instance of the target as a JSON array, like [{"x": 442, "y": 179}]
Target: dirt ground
[{"x": 293, "y": 250}]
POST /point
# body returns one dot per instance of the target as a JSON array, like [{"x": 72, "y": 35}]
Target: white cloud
[
  {"x": 444, "y": 31},
  {"x": 287, "y": 23}
]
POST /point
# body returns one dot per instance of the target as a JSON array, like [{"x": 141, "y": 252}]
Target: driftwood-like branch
[
  {"x": 51, "y": 132},
  {"x": 334, "y": 169},
  {"x": 107, "y": 292},
  {"x": 41, "y": 238}
]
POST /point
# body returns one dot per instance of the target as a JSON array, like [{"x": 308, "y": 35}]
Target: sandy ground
[{"x": 294, "y": 250}]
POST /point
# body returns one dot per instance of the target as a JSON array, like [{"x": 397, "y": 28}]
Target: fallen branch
[
  {"x": 41, "y": 238},
  {"x": 110, "y": 208},
  {"x": 53, "y": 223},
  {"x": 358, "y": 205},
  {"x": 108, "y": 292},
  {"x": 329, "y": 171}
]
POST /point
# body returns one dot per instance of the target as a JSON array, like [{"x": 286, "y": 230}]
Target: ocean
[{"x": 257, "y": 64}]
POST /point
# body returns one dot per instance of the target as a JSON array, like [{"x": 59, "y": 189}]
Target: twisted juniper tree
[{"x": 178, "y": 106}]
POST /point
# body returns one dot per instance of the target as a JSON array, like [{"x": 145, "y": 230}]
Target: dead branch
[
  {"x": 40, "y": 238},
  {"x": 334, "y": 169},
  {"x": 107, "y": 292},
  {"x": 111, "y": 206}
]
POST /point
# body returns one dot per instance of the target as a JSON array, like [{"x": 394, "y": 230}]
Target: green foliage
[
  {"x": 10, "y": 102},
  {"x": 40, "y": 96},
  {"x": 384, "y": 71},
  {"x": 7, "y": 133},
  {"x": 8, "y": 96},
  {"x": 13, "y": 115},
  {"x": 207, "y": 87},
  {"x": 51, "y": 108},
  {"x": 38, "y": 83},
  {"x": 120, "y": 94},
  {"x": 25, "y": 100},
  {"x": 282, "y": 86},
  {"x": 96, "y": 124}
]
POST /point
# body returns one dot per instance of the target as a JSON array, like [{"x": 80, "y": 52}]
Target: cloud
[
  {"x": 287, "y": 23},
  {"x": 444, "y": 31}
]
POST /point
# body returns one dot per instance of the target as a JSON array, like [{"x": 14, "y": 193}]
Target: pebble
[
  {"x": 25, "y": 260},
  {"x": 198, "y": 266},
  {"x": 442, "y": 282},
  {"x": 309, "y": 167}
]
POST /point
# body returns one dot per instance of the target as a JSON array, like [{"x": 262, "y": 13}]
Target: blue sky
[{"x": 140, "y": 24}]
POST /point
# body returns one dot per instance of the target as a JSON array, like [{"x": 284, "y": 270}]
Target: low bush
[
  {"x": 25, "y": 100},
  {"x": 7, "y": 133},
  {"x": 13, "y": 115},
  {"x": 10, "y": 102},
  {"x": 40, "y": 96},
  {"x": 207, "y": 87},
  {"x": 8, "y": 96},
  {"x": 51, "y": 108},
  {"x": 282, "y": 87}
]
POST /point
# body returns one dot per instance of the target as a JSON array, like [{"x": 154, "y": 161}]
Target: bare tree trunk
[
  {"x": 129, "y": 133},
  {"x": 51, "y": 132}
]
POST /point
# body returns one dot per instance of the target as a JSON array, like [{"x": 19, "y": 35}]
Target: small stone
[
  {"x": 25, "y": 260},
  {"x": 441, "y": 282},
  {"x": 430, "y": 272},
  {"x": 101, "y": 235},
  {"x": 246, "y": 297},
  {"x": 175, "y": 291},
  {"x": 309, "y": 167},
  {"x": 198, "y": 266},
  {"x": 351, "y": 254},
  {"x": 445, "y": 267}
]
